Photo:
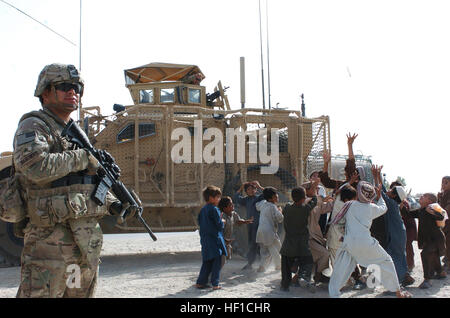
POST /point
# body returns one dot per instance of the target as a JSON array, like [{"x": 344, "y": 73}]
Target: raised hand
[
  {"x": 326, "y": 156},
  {"x": 378, "y": 191},
  {"x": 257, "y": 185},
  {"x": 379, "y": 173},
  {"x": 326, "y": 160},
  {"x": 373, "y": 168},
  {"x": 351, "y": 139},
  {"x": 374, "y": 174}
]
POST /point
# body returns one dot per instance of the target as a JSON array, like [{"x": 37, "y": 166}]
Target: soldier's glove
[
  {"x": 117, "y": 209},
  {"x": 128, "y": 213},
  {"x": 93, "y": 165}
]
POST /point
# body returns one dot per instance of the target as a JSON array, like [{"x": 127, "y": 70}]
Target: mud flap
[{"x": 10, "y": 245}]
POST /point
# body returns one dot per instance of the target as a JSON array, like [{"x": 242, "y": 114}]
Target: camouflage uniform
[{"x": 63, "y": 227}]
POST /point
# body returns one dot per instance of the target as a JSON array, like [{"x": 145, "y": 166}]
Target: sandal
[{"x": 199, "y": 286}]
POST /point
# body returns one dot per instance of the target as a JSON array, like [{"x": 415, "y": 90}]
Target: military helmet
[{"x": 55, "y": 74}]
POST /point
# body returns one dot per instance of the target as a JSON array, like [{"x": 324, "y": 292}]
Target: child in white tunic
[
  {"x": 267, "y": 236},
  {"x": 359, "y": 247}
]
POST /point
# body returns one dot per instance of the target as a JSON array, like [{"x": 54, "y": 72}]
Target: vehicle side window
[
  {"x": 146, "y": 96},
  {"x": 167, "y": 95},
  {"x": 127, "y": 133},
  {"x": 194, "y": 96}
]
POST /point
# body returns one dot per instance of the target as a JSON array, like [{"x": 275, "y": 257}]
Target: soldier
[{"x": 62, "y": 238}]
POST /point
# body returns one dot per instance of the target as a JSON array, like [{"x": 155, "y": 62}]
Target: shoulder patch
[{"x": 25, "y": 137}]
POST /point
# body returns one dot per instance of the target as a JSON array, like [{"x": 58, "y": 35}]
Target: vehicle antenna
[
  {"x": 39, "y": 22},
  {"x": 262, "y": 63},
  {"x": 242, "y": 75},
  {"x": 268, "y": 64},
  {"x": 303, "y": 106},
  {"x": 79, "y": 44},
  {"x": 79, "y": 65}
]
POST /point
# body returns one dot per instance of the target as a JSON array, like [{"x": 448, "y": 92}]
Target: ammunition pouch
[
  {"x": 19, "y": 228},
  {"x": 48, "y": 207},
  {"x": 12, "y": 208}
]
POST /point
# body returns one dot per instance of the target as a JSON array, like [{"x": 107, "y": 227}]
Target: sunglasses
[{"x": 65, "y": 87}]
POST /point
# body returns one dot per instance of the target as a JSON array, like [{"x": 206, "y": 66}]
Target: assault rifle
[{"x": 108, "y": 174}]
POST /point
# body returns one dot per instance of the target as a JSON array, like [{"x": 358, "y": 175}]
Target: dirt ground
[{"x": 133, "y": 266}]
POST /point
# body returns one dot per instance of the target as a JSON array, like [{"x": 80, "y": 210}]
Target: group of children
[{"x": 365, "y": 226}]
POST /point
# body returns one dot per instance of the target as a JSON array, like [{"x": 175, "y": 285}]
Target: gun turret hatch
[
  {"x": 172, "y": 84},
  {"x": 162, "y": 72}
]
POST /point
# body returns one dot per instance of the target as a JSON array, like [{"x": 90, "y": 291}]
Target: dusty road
[{"x": 133, "y": 266}]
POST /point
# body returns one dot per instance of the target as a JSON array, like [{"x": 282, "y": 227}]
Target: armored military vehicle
[
  {"x": 10, "y": 245},
  {"x": 176, "y": 139}
]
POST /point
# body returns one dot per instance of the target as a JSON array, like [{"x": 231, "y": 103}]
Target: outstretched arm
[
  {"x": 326, "y": 160},
  {"x": 350, "y": 140},
  {"x": 376, "y": 173},
  {"x": 380, "y": 207},
  {"x": 350, "y": 164},
  {"x": 238, "y": 198},
  {"x": 323, "y": 175}
]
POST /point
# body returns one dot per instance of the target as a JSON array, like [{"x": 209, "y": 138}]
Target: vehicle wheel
[{"x": 10, "y": 245}]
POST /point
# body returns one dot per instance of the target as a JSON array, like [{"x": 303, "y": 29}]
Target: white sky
[{"x": 397, "y": 52}]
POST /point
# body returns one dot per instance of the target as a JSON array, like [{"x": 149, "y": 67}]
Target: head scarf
[
  {"x": 366, "y": 192},
  {"x": 401, "y": 192},
  {"x": 342, "y": 212}
]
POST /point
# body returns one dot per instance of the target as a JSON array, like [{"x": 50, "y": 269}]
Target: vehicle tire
[
  {"x": 5, "y": 173},
  {"x": 10, "y": 245}
]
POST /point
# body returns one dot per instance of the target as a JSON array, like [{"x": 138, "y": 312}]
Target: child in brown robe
[
  {"x": 431, "y": 240},
  {"x": 444, "y": 202},
  {"x": 317, "y": 242}
]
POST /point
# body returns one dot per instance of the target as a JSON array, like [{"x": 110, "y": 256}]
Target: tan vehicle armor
[{"x": 176, "y": 139}]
